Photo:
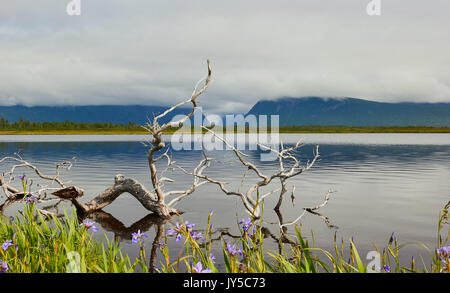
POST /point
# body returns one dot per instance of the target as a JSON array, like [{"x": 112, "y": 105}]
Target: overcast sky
[{"x": 153, "y": 52}]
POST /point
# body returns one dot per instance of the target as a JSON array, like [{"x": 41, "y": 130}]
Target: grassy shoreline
[
  {"x": 34, "y": 243},
  {"x": 284, "y": 129}
]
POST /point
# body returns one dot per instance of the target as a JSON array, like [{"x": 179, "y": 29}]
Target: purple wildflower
[
  {"x": 233, "y": 250},
  {"x": 31, "y": 199},
  {"x": 444, "y": 256},
  {"x": 212, "y": 257},
  {"x": 386, "y": 269},
  {"x": 136, "y": 237},
  {"x": 3, "y": 266},
  {"x": 246, "y": 224},
  {"x": 172, "y": 231},
  {"x": 179, "y": 228},
  {"x": 444, "y": 266},
  {"x": 198, "y": 268},
  {"x": 88, "y": 225},
  {"x": 189, "y": 226},
  {"x": 21, "y": 177},
  {"x": 196, "y": 236},
  {"x": 444, "y": 251},
  {"x": 175, "y": 231},
  {"x": 7, "y": 244}
]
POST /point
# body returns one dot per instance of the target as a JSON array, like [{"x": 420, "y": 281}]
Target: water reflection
[
  {"x": 397, "y": 184},
  {"x": 122, "y": 233}
]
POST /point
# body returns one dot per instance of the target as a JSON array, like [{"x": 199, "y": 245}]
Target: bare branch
[
  {"x": 311, "y": 210},
  {"x": 24, "y": 163}
]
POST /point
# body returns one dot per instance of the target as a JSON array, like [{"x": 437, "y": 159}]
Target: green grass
[
  {"x": 71, "y": 128},
  {"x": 41, "y": 244},
  {"x": 71, "y": 132}
]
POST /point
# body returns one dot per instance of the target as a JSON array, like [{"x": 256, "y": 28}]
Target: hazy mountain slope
[
  {"x": 92, "y": 114},
  {"x": 292, "y": 111},
  {"x": 353, "y": 112}
]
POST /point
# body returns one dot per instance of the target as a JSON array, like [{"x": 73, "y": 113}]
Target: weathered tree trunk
[
  {"x": 153, "y": 201},
  {"x": 121, "y": 185}
]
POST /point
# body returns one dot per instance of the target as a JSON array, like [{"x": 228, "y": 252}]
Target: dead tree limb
[
  {"x": 153, "y": 200},
  {"x": 285, "y": 155},
  {"x": 312, "y": 210}
]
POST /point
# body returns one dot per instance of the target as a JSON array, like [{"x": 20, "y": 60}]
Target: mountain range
[
  {"x": 353, "y": 112},
  {"x": 91, "y": 114},
  {"x": 292, "y": 111}
]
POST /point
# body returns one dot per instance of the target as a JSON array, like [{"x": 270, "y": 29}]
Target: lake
[{"x": 384, "y": 183}]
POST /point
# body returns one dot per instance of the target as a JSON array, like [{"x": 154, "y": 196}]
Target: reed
[{"x": 34, "y": 243}]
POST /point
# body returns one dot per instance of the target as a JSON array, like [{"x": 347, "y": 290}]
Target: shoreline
[{"x": 303, "y": 130}]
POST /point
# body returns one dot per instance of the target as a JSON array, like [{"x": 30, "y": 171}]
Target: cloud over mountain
[{"x": 153, "y": 52}]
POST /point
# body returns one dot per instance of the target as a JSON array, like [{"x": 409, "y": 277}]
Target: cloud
[{"x": 153, "y": 52}]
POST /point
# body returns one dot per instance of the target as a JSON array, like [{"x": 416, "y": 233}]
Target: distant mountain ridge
[
  {"x": 292, "y": 111},
  {"x": 353, "y": 112},
  {"x": 91, "y": 114}
]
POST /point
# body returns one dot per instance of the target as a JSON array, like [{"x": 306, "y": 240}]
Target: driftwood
[
  {"x": 155, "y": 200},
  {"x": 121, "y": 185},
  {"x": 252, "y": 204}
]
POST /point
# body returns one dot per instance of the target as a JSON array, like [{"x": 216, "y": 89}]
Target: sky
[{"x": 154, "y": 52}]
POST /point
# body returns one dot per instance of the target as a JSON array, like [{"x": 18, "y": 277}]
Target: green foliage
[
  {"x": 26, "y": 126},
  {"x": 41, "y": 244}
]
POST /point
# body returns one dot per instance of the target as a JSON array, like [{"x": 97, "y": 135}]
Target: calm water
[{"x": 384, "y": 183}]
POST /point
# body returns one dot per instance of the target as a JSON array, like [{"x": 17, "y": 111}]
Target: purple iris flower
[
  {"x": 136, "y": 237},
  {"x": 212, "y": 257},
  {"x": 444, "y": 255},
  {"x": 444, "y": 251},
  {"x": 246, "y": 224},
  {"x": 445, "y": 267},
  {"x": 189, "y": 226},
  {"x": 88, "y": 225},
  {"x": 177, "y": 230},
  {"x": 7, "y": 244},
  {"x": 386, "y": 269},
  {"x": 196, "y": 236},
  {"x": 31, "y": 199},
  {"x": 233, "y": 250},
  {"x": 198, "y": 268},
  {"x": 3, "y": 266}
]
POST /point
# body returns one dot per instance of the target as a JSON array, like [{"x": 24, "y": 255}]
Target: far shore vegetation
[{"x": 23, "y": 127}]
